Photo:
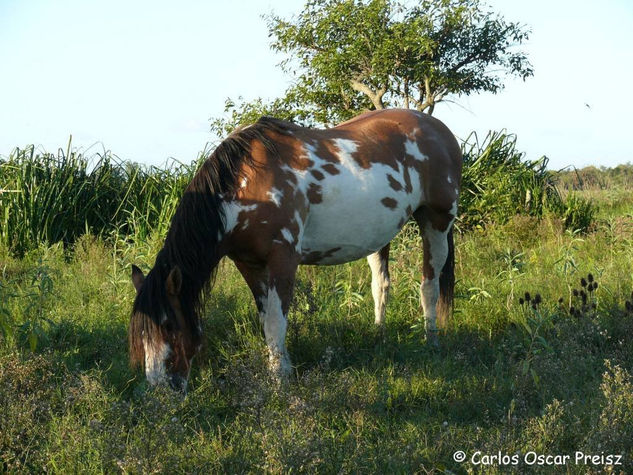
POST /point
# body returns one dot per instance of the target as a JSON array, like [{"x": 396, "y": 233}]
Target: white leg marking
[
  {"x": 155, "y": 356},
  {"x": 275, "y": 324},
  {"x": 379, "y": 285}
]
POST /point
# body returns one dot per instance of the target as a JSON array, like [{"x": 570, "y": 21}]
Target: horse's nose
[{"x": 178, "y": 383}]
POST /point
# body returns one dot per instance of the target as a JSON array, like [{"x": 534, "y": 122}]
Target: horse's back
[
  {"x": 375, "y": 171},
  {"x": 339, "y": 194}
]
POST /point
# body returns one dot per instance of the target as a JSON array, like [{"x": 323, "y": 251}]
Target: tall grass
[
  {"x": 47, "y": 198},
  {"x": 498, "y": 182}
]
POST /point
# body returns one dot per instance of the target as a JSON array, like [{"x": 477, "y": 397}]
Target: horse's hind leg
[
  {"x": 379, "y": 264},
  {"x": 434, "y": 227}
]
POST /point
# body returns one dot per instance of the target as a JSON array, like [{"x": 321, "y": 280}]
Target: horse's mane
[{"x": 194, "y": 234}]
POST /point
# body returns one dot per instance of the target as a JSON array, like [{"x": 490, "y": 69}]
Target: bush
[
  {"x": 578, "y": 213},
  {"x": 497, "y": 183}
]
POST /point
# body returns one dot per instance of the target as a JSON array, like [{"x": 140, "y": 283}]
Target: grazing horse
[{"x": 275, "y": 195}]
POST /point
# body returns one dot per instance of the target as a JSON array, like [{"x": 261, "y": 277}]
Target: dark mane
[{"x": 194, "y": 233}]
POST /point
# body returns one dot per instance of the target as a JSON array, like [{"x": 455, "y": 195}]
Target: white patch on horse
[
  {"x": 245, "y": 224},
  {"x": 232, "y": 210},
  {"x": 300, "y": 223},
  {"x": 275, "y": 325},
  {"x": 155, "y": 356},
  {"x": 275, "y": 196},
  {"x": 449, "y": 179},
  {"x": 351, "y": 216},
  {"x": 453, "y": 211},
  {"x": 299, "y": 174},
  {"x": 411, "y": 148},
  {"x": 243, "y": 183},
  {"x": 346, "y": 149},
  {"x": 285, "y": 232}
]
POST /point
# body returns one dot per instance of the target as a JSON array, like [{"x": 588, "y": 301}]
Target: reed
[
  {"x": 47, "y": 198},
  {"x": 498, "y": 182}
]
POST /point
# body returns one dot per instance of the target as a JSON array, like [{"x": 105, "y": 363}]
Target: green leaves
[{"x": 346, "y": 56}]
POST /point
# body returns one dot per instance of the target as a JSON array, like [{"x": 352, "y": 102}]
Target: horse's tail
[{"x": 447, "y": 285}]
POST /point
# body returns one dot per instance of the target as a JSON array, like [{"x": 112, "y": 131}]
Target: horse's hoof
[
  {"x": 432, "y": 339},
  {"x": 280, "y": 368}
]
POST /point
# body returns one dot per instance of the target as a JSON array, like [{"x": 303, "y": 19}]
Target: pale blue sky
[{"x": 144, "y": 77}]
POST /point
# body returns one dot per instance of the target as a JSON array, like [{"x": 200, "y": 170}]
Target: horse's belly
[{"x": 350, "y": 223}]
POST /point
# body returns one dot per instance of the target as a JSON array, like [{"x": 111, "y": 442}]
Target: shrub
[
  {"x": 497, "y": 183},
  {"x": 578, "y": 213}
]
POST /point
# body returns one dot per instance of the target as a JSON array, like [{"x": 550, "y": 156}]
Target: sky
[{"x": 142, "y": 78}]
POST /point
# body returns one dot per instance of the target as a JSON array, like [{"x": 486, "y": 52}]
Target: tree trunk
[{"x": 374, "y": 96}]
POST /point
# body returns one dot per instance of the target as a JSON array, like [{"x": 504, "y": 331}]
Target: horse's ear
[
  {"x": 137, "y": 277},
  {"x": 174, "y": 281}
]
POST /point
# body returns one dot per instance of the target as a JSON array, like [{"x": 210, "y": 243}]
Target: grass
[{"x": 507, "y": 377}]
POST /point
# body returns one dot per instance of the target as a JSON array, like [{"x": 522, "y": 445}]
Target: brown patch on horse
[
  {"x": 427, "y": 268},
  {"x": 441, "y": 221},
  {"x": 389, "y": 202},
  {"x": 331, "y": 169},
  {"x": 317, "y": 174},
  {"x": 314, "y": 257},
  {"x": 314, "y": 193},
  {"x": 393, "y": 183},
  {"x": 408, "y": 186}
]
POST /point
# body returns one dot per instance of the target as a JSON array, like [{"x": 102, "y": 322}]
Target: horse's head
[{"x": 163, "y": 334}]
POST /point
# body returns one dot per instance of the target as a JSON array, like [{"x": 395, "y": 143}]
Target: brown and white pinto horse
[{"x": 273, "y": 196}]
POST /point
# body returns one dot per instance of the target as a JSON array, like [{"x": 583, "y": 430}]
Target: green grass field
[{"x": 507, "y": 379}]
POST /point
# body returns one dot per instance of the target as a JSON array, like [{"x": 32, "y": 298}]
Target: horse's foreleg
[
  {"x": 379, "y": 264},
  {"x": 257, "y": 280},
  {"x": 282, "y": 267}
]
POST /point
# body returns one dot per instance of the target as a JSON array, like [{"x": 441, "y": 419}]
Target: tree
[{"x": 354, "y": 55}]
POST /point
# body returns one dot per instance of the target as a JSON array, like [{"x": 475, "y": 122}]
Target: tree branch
[{"x": 374, "y": 96}]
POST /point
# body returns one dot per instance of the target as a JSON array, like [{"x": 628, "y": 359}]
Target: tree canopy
[{"x": 347, "y": 56}]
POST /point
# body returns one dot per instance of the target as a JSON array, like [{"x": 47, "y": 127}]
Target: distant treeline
[{"x": 592, "y": 178}]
